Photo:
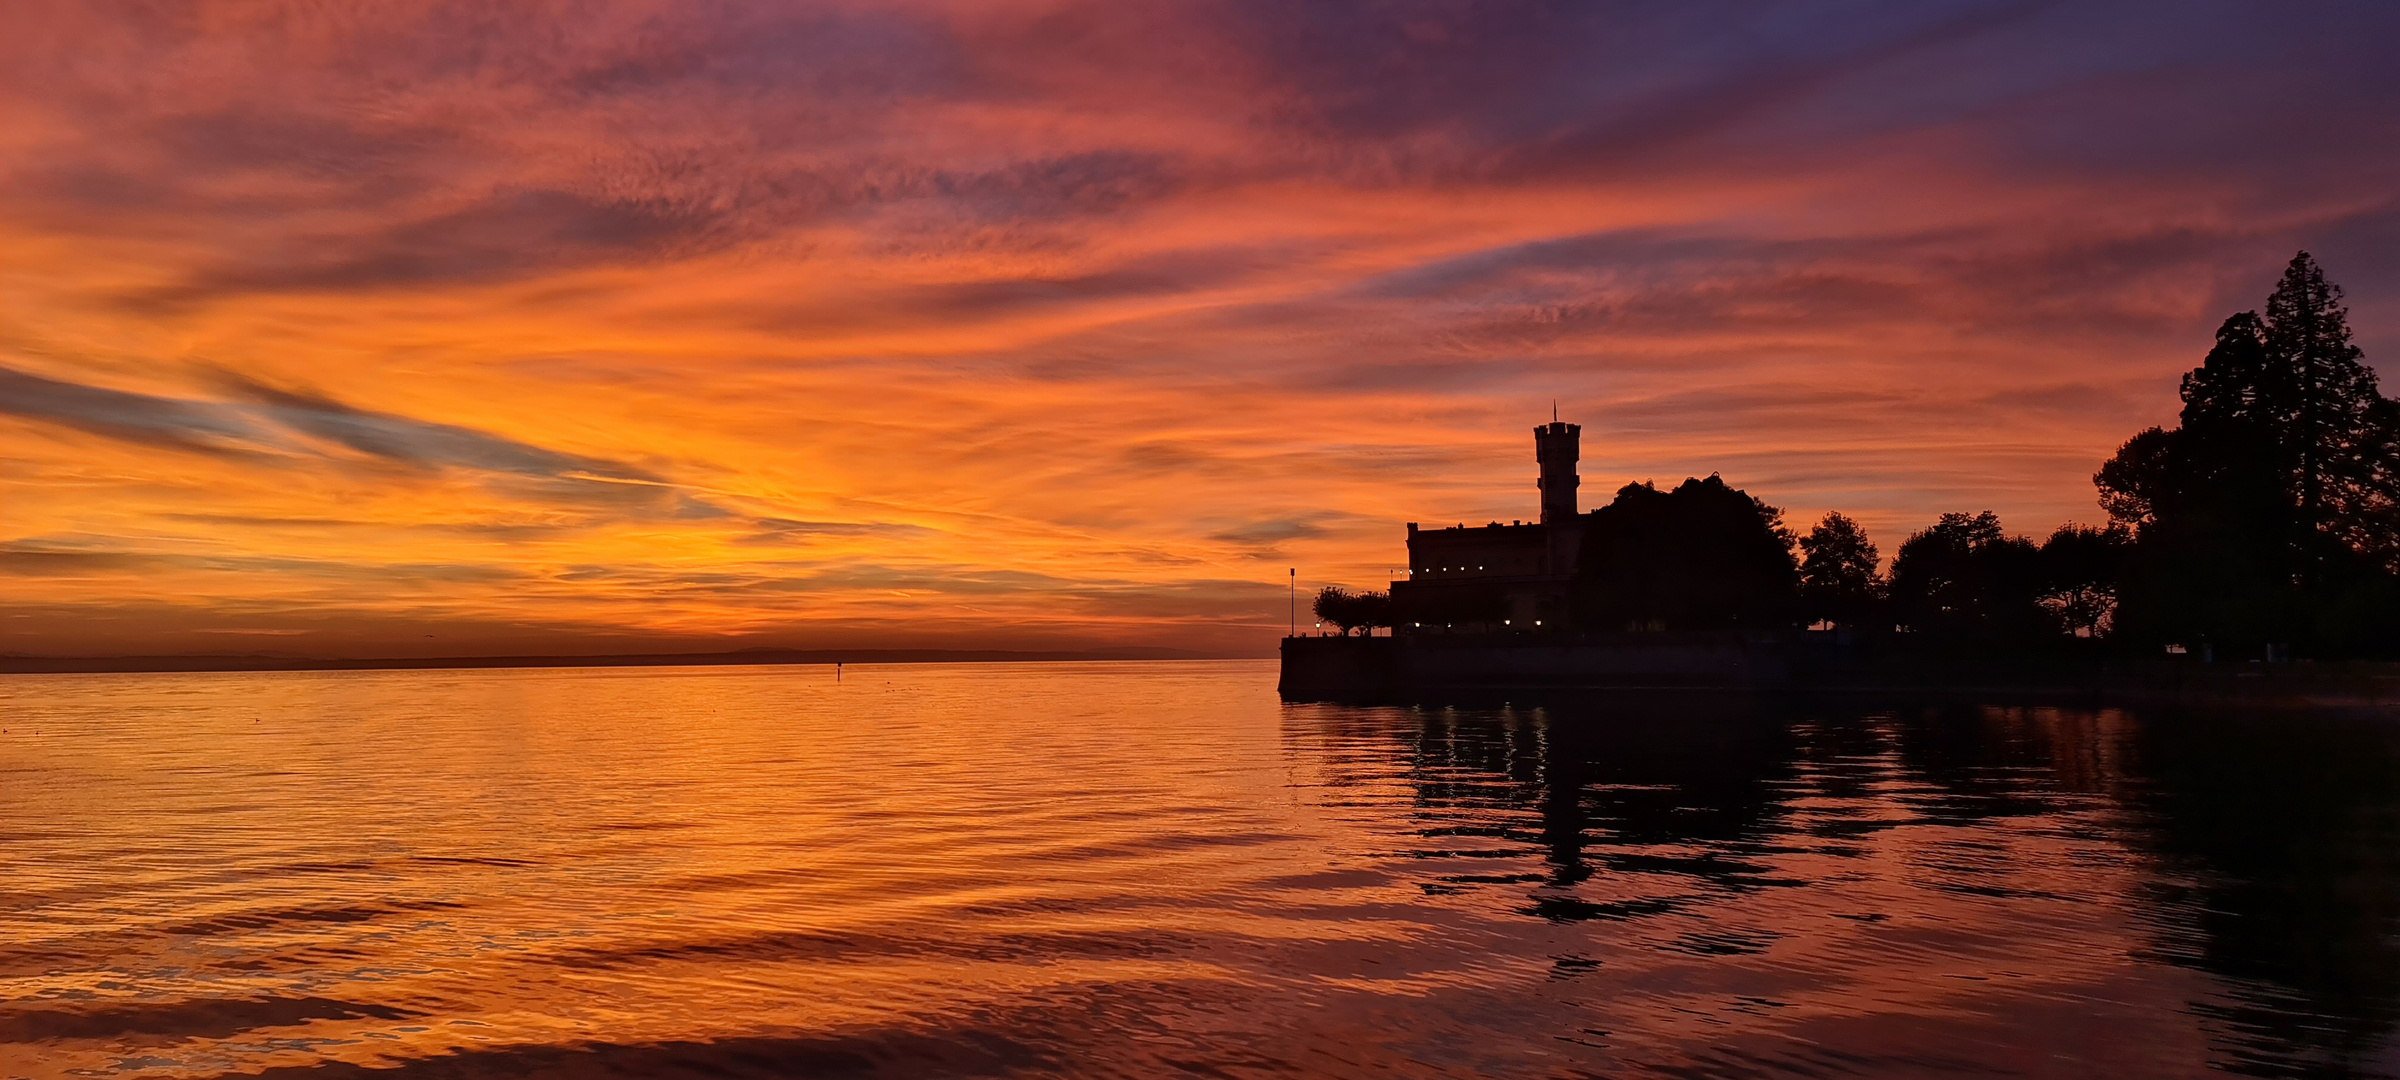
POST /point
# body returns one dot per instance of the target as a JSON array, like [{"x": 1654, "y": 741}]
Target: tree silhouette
[
  {"x": 1705, "y": 556},
  {"x": 2082, "y": 569},
  {"x": 1332, "y": 606},
  {"x": 1841, "y": 576},
  {"x": 1965, "y": 579},
  {"x": 1350, "y": 611},
  {"x": 1369, "y": 610},
  {"x": 2134, "y": 481},
  {"x": 2272, "y": 514},
  {"x": 2316, "y": 391}
]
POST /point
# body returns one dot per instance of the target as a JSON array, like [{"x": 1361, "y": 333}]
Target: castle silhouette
[{"x": 1514, "y": 575}]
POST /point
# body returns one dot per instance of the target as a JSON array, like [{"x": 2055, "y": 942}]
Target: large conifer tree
[
  {"x": 2323, "y": 400},
  {"x": 2273, "y": 513}
]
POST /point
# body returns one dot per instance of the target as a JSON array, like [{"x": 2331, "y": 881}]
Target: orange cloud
[{"x": 646, "y": 324}]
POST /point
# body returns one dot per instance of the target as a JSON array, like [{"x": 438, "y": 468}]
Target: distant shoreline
[{"x": 96, "y": 665}]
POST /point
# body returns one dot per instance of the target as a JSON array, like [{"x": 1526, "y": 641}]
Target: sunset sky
[{"x": 354, "y": 329}]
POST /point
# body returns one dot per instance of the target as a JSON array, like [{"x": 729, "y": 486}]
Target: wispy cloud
[
  {"x": 260, "y": 418},
  {"x": 409, "y": 441},
  {"x": 200, "y": 426},
  {"x": 1083, "y": 320}
]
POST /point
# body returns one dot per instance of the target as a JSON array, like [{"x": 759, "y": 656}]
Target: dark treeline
[
  {"x": 1707, "y": 556},
  {"x": 2267, "y": 522}
]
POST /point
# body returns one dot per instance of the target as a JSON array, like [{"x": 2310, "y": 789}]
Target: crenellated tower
[{"x": 1557, "y": 446}]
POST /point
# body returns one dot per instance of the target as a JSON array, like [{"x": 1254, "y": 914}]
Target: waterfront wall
[
  {"x": 1340, "y": 668},
  {"x": 1425, "y": 667},
  {"x": 1397, "y": 667}
]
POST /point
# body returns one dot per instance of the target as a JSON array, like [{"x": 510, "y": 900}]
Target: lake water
[{"x": 1161, "y": 870}]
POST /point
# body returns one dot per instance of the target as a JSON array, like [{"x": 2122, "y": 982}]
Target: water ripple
[{"x": 1144, "y": 869}]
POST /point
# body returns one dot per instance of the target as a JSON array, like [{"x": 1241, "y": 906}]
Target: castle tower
[{"x": 1557, "y": 446}]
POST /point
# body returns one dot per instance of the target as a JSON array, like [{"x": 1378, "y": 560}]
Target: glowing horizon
[{"x": 366, "y": 331}]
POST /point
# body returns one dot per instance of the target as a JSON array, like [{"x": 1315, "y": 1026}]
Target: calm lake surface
[{"x": 1161, "y": 870}]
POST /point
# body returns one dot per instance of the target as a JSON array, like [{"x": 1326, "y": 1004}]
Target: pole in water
[{"x": 837, "y": 671}]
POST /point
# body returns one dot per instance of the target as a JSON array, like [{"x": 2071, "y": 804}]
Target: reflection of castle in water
[{"x": 1516, "y": 574}]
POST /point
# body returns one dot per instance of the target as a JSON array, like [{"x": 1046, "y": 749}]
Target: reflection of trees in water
[
  {"x": 2277, "y": 842},
  {"x": 2278, "y": 839},
  {"x": 2289, "y": 830}
]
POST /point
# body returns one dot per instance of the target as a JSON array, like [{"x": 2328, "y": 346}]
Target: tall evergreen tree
[
  {"x": 2272, "y": 514},
  {"x": 2323, "y": 399}
]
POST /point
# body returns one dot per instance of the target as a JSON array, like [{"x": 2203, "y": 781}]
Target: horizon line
[{"x": 22, "y": 664}]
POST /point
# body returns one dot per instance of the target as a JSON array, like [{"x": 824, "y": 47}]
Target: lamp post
[{"x": 1291, "y": 594}]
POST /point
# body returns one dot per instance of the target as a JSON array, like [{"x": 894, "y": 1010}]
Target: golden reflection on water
[{"x": 1132, "y": 869}]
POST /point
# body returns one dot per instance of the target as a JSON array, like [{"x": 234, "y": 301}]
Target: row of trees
[
  {"x": 1708, "y": 556},
  {"x": 1353, "y": 612},
  {"x": 1966, "y": 578},
  {"x": 2270, "y": 516}
]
